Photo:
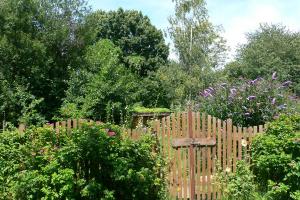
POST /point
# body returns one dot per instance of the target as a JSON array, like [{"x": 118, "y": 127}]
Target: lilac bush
[{"x": 248, "y": 102}]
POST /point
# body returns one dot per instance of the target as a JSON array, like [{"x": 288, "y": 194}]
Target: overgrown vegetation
[
  {"x": 274, "y": 173},
  {"x": 86, "y": 163},
  {"x": 276, "y": 158}
]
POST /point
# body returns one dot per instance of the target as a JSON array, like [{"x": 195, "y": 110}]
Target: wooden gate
[{"x": 194, "y": 143}]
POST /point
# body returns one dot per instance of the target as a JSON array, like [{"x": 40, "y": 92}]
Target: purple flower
[
  {"x": 233, "y": 91},
  {"x": 274, "y": 76},
  {"x": 273, "y": 101},
  {"x": 251, "y": 98},
  {"x": 247, "y": 114},
  {"x": 283, "y": 106},
  {"x": 253, "y": 81},
  {"x": 287, "y": 83},
  {"x": 292, "y": 97}
]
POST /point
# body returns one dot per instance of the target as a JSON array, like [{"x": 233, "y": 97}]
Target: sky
[{"x": 237, "y": 17}]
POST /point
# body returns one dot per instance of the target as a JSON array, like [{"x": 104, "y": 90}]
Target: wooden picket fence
[{"x": 194, "y": 144}]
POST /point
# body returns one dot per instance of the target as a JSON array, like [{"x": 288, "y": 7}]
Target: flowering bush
[
  {"x": 87, "y": 163},
  {"x": 247, "y": 102}
]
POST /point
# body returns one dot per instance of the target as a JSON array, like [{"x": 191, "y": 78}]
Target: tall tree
[
  {"x": 40, "y": 41},
  {"x": 199, "y": 47},
  {"x": 197, "y": 41},
  {"x": 271, "y": 48},
  {"x": 143, "y": 46}
]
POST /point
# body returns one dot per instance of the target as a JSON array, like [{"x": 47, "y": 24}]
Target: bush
[
  {"x": 239, "y": 185},
  {"x": 276, "y": 159},
  {"x": 83, "y": 164},
  {"x": 247, "y": 102}
]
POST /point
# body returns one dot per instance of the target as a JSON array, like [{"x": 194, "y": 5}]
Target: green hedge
[{"x": 83, "y": 164}]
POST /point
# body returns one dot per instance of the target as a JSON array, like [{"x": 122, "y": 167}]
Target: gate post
[{"x": 192, "y": 157}]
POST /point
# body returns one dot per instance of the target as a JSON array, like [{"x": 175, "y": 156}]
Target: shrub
[
  {"x": 239, "y": 185},
  {"x": 86, "y": 163},
  {"x": 276, "y": 158},
  {"x": 247, "y": 102}
]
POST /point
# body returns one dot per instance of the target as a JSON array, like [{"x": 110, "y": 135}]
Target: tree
[
  {"x": 271, "y": 48},
  {"x": 142, "y": 45},
  {"x": 197, "y": 42},
  {"x": 104, "y": 89},
  {"x": 39, "y": 43}
]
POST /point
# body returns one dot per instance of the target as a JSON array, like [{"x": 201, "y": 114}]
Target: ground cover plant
[{"x": 85, "y": 163}]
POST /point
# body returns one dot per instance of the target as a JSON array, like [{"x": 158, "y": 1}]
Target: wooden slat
[
  {"x": 184, "y": 129},
  {"x": 168, "y": 139},
  {"x": 250, "y": 136},
  {"x": 240, "y": 143},
  {"x": 260, "y": 128},
  {"x": 57, "y": 130},
  {"x": 163, "y": 133},
  {"x": 209, "y": 166},
  {"x": 63, "y": 125},
  {"x": 185, "y": 161},
  {"x": 244, "y": 149},
  {"x": 224, "y": 133},
  {"x": 204, "y": 157},
  {"x": 214, "y": 136},
  {"x": 180, "y": 179},
  {"x": 229, "y": 143},
  {"x": 234, "y": 147},
  {"x": 74, "y": 123},
  {"x": 174, "y": 155},
  {"x": 198, "y": 124},
  {"x": 69, "y": 125},
  {"x": 80, "y": 121},
  {"x": 219, "y": 141}
]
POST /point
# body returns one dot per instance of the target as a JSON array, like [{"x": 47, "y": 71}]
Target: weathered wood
[
  {"x": 199, "y": 142},
  {"x": 191, "y": 155},
  {"x": 209, "y": 166},
  {"x": 234, "y": 147}
]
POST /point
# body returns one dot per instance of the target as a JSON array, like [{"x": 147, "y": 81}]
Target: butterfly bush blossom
[{"x": 248, "y": 102}]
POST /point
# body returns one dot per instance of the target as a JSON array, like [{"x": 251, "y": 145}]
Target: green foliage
[
  {"x": 180, "y": 86},
  {"x": 200, "y": 50},
  {"x": 104, "y": 89},
  {"x": 239, "y": 185},
  {"x": 39, "y": 43},
  {"x": 275, "y": 157},
  {"x": 18, "y": 105},
  {"x": 271, "y": 48},
  {"x": 85, "y": 163},
  {"x": 247, "y": 102},
  {"x": 142, "y": 45}
]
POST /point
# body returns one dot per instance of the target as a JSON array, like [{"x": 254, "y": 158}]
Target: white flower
[
  {"x": 244, "y": 142},
  {"x": 227, "y": 170}
]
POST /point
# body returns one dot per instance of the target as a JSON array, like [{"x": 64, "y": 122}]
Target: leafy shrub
[
  {"x": 239, "y": 185},
  {"x": 276, "y": 158},
  {"x": 86, "y": 163},
  {"x": 247, "y": 102}
]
